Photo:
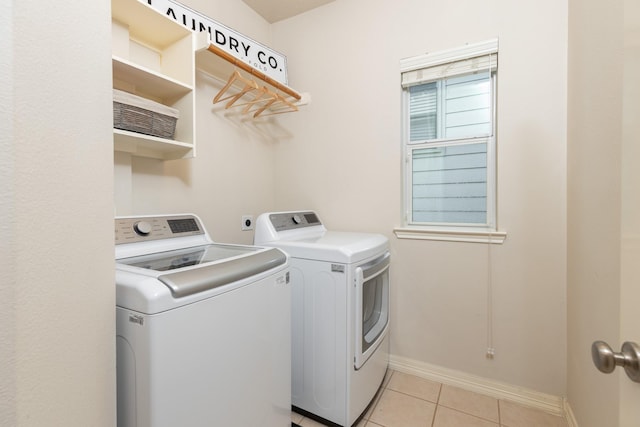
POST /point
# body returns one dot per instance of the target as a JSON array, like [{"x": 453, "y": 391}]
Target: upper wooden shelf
[{"x": 146, "y": 24}]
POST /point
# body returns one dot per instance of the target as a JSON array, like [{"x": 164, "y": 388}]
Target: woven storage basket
[{"x": 137, "y": 114}]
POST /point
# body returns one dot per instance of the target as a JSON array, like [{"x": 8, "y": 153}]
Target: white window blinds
[{"x": 470, "y": 59}]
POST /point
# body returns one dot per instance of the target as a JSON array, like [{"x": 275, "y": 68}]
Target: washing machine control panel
[
  {"x": 292, "y": 220},
  {"x": 138, "y": 229}
]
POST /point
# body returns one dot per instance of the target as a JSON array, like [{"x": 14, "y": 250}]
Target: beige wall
[
  {"x": 344, "y": 160},
  {"x": 57, "y": 347}
]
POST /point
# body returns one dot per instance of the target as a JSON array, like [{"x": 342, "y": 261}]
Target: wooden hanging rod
[{"x": 249, "y": 69}]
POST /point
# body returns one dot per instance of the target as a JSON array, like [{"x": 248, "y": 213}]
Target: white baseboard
[
  {"x": 552, "y": 404},
  {"x": 568, "y": 413}
]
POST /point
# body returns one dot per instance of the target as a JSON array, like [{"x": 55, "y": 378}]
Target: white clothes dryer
[
  {"x": 340, "y": 314},
  {"x": 202, "y": 328}
]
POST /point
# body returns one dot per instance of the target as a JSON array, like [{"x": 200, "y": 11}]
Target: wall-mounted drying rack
[{"x": 247, "y": 87}]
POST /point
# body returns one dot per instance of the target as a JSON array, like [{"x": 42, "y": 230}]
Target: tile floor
[{"x": 410, "y": 401}]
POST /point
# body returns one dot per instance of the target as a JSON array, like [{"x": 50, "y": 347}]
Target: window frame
[{"x": 473, "y": 232}]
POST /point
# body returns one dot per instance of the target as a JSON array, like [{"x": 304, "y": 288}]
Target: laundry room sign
[{"x": 260, "y": 57}]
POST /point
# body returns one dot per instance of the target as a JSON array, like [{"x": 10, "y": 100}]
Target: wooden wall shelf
[{"x": 153, "y": 57}]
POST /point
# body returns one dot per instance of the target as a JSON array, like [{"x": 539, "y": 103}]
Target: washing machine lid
[
  {"x": 188, "y": 271},
  {"x": 168, "y": 261},
  {"x": 186, "y": 257}
]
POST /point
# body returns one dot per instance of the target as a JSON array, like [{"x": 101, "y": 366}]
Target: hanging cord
[{"x": 490, "y": 348}]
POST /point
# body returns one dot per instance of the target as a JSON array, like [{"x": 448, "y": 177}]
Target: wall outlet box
[{"x": 247, "y": 222}]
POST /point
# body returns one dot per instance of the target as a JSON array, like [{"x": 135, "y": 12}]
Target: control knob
[
  {"x": 296, "y": 219},
  {"x": 143, "y": 228}
]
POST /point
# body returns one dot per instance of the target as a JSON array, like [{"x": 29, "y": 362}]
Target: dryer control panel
[
  {"x": 140, "y": 229},
  {"x": 292, "y": 220}
]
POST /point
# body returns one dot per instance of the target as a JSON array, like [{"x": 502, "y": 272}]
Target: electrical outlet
[
  {"x": 247, "y": 222},
  {"x": 491, "y": 352}
]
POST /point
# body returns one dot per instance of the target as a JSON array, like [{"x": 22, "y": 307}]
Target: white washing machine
[
  {"x": 203, "y": 329},
  {"x": 340, "y": 314}
]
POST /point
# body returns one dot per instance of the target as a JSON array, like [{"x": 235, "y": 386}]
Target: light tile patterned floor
[{"x": 410, "y": 401}]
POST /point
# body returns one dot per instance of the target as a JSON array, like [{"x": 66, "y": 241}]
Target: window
[{"x": 449, "y": 138}]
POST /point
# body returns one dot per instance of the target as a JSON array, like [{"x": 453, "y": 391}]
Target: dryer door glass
[{"x": 372, "y": 310}]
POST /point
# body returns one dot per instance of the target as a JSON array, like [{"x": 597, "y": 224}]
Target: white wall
[
  {"x": 231, "y": 175},
  {"x": 8, "y": 384},
  {"x": 57, "y": 347},
  {"x": 344, "y": 160}
]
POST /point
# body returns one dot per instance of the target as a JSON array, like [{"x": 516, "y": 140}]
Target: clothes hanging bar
[
  {"x": 249, "y": 69},
  {"x": 288, "y": 107}
]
